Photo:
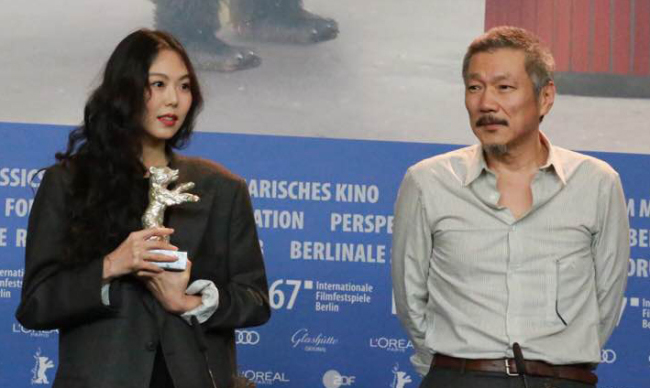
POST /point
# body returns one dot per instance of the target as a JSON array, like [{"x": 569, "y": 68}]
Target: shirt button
[{"x": 150, "y": 346}]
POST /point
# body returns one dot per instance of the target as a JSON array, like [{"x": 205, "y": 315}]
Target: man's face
[{"x": 500, "y": 99}]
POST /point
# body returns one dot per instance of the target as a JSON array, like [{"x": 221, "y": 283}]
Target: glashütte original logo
[
  {"x": 247, "y": 337},
  {"x": 391, "y": 344},
  {"x": 42, "y": 365},
  {"x": 265, "y": 377},
  {"x": 333, "y": 379},
  {"x": 311, "y": 343}
]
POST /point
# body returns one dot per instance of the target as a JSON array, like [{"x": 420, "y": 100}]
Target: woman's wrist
[
  {"x": 187, "y": 303},
  {"x": 107, "y": 273}
]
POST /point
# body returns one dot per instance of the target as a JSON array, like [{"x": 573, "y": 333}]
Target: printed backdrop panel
[{"x": 324, "y": 213}]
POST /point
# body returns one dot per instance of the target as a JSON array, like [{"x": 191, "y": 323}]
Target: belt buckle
[{"x": 508, "y": 369}]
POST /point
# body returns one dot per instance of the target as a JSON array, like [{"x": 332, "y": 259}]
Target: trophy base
[{"x": 179, "y": 265}]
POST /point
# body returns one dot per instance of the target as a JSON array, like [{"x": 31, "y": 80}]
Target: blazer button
[{"x": 150, "y": 346}]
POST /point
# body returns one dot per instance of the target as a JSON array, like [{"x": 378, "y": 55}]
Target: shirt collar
[
  {"x": 553, "y": 159},
  {"x": 476, "y": 163}
]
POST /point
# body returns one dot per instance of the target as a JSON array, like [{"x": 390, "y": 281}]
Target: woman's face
[{"x": 169, "y": 97}]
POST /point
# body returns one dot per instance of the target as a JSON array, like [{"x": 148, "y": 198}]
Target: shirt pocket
[{"x": 573, "y": 287}]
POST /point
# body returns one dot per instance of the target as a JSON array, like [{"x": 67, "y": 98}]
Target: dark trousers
[{"x": 455, "y": 378}]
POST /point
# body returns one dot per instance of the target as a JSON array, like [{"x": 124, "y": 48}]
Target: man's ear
[{"x": 546, "y": 98}]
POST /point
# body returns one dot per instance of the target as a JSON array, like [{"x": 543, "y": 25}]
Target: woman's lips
[{"x": 168, "y": 120}]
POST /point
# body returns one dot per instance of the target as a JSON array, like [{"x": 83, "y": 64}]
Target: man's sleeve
[
  {"x": 412, "y": 245},
  {"x": 611, "y": 250}
]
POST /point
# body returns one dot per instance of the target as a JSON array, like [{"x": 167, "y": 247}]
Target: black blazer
[{"x": 109, "y": 347}]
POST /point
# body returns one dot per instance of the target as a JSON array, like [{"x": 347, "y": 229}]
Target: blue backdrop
[{"x": 323, "y": 210}]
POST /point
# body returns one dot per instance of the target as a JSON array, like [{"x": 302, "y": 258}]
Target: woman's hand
[
  {"x": 134, "y": 256},
  {"x": 168, "y": 287}
]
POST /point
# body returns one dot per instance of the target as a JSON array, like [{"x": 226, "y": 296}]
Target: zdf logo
[
  {"x": 607, "y": 356},
  {"x": 333, "y": 379},
  {"x": 247, "y": 337}
]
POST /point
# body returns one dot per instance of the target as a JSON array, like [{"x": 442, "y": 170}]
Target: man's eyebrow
[
  {"x": 502, "y": 77},
  {"x": 496, "y": 78}
]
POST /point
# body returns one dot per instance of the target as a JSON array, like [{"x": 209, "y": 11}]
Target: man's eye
[
  {"x": 506, "y": 87},
  {"x": 473, "y": 88}
]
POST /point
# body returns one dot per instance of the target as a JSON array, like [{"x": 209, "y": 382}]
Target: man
[{"x": 512, "y": 244}]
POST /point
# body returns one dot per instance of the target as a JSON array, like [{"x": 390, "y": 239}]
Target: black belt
[{"x": 576, "y": 372}]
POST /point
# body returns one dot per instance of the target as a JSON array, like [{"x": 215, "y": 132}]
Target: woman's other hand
[{"x": 168, "y": 287}]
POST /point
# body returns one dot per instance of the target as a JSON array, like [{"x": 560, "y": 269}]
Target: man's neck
[
  {"x": 525, "y": 157},
  {"x": 515, "y": 171}
]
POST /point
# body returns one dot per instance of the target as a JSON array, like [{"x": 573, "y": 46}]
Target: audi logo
[
  {"x": 247, "y": 337},
  {"x": 607, "y": 356}
]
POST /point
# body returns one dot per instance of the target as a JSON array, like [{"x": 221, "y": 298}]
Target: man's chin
[{"x": 495, "y": 149}]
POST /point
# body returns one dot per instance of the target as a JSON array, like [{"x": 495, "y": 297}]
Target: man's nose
[{"x": 487, "y": 101}]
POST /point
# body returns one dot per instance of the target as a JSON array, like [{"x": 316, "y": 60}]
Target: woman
[{"x": 90, "y": 271}]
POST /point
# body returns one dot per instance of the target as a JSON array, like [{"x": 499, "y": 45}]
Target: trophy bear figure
[{"x": 160, "y": 197}]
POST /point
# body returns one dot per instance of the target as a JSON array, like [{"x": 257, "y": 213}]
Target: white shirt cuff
[
  {"x": 421, "y": 362},
  {"x": 106, "y": 290},
  {"x": 209, "y": 300}
]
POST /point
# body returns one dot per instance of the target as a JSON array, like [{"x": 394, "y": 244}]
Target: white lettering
[
  {"x": 644, "y": 208},
  {"x": 346, "y": 192},
  {"x": 638, "y": 268},
  {"x": 295, "y": 190},
  {"x": 20, "y": 177},
  {"x": 329, "y": 307},
  {"x": 302, "y": 337},
  {"x": 295, "y": 250},
  {"x": 630, "y": 207},
  {"x": 21, "y": 238},
  {"x": 391, "y": 344},
  {"x": 19, "y": 207},
  {"x": 348, "y": 252},
  {"x": 359, "y": 223},
  {"x": 265, "y": 378},
  {"x": 639, "y": 238},
  {"x": 279, "y": 219}
]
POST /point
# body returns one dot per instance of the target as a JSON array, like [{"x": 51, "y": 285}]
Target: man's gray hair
[{"x": 539, "y": 60}]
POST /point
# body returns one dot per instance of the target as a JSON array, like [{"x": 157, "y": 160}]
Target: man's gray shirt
[{"x": 470, "y": 279}]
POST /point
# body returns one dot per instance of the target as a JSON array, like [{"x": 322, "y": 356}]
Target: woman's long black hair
[{"x": 107, "y": 192}]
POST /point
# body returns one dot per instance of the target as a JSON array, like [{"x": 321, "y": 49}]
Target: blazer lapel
[{"x": 189, "y": 219}]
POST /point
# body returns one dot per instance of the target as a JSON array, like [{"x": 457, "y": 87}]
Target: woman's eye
[
  {"x": 157, "y": 84},
  {"x": 185, "y": 86}
]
